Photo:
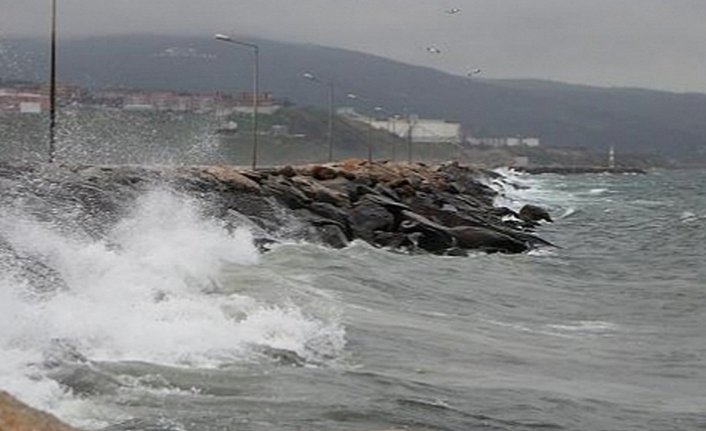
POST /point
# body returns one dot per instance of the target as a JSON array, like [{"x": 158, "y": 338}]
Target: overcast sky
[{"x": 646, "y": 43}]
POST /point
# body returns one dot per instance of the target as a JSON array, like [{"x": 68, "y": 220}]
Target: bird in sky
[
  {"x": 473, "y": 72},
  {"x": 453, "y": 11},
  {"x": 433, "y": 50}
]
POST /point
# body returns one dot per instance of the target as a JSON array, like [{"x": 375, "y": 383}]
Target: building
[
  {"x": 21, "y": 101},
  {"x": 423, "y": 130},
  {"x": 505, "y": 142}
]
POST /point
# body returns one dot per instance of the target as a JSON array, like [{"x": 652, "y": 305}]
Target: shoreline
[{"x": 446, "y": 209}]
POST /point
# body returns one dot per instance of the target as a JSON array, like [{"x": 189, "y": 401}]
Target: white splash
[{"x": 150, "y": 291}]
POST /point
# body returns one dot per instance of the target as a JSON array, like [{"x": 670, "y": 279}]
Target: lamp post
[
  {"x": 354, "y": 96},
  {"x": 311, "y": 77},
  {"x": 256, "y": 88},
  {"x": 52, "y": 87}
]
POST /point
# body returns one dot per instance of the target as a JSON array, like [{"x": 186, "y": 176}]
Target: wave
[{"x": 150, "y": 290}]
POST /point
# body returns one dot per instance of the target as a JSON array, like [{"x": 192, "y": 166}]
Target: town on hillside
[{"x": 32, "y": 99}]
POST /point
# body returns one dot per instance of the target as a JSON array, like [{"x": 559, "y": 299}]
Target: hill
[{"x": 633, "y": 120}]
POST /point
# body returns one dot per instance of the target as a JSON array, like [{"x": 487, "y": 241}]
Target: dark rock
[
  {"x": 333, "y": 212},
  {"x": 473, "y": 237},
  {"x": 534, "y": 213},
  {"x": 287, "y": 171},
  {"x": 323, "y": 173},
  {"x": 393, "y": 240},
  {"x": 432, "y": 237},
  {"x": 389, "y": 204},
  {"x": 333, "y": 236},
  {"x": 368, "y": 217},
  {"x": 283, "y": 356},
  {"x": 286, "y": 193},
  {"x": 386, "y": 191}
]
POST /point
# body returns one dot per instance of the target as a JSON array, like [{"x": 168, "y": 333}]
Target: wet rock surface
[
  {"x": 444, "y": 209},
  {"x": 16, "y": 416}
]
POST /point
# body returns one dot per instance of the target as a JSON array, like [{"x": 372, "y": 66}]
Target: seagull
[
  {"x": 433, "y": 50},
  {"x": 473, "y": 72},
  {"x": 453, "y": 11}
]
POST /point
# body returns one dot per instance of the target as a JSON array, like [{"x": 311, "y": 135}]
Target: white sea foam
[
  {"x": 598, "y": 191},
  {"x": 147, "y": 292}
]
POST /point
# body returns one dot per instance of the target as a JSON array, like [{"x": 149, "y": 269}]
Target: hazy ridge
[{"x": 634, "y": 120}]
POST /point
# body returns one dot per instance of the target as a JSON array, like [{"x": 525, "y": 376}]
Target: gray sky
[{"x": 646, "y": 43}]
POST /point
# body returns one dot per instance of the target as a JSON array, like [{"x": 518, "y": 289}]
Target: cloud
[{"x": 651, "y": 43}]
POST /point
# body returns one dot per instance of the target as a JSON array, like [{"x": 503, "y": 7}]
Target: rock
[
  {"x": 534, "y": 213},
  {"x": 286, "y": 192},
  {"x": 333, "y": 236},
  {"x": 332, "y": 212},
  {"x": 16, "y": 416},
  {"x": 232, "y": 178},
  {"x": 432, "y": 237},
  {"x": 368, "y": 217},
  {"x": 387, "y": 192},
  {"x": 479, "y": 238},
  {"x": 389, "y": 204},
  {"x": 287, "y": 171},
  {"x": 318, "y": 192},
  {"x": 323, "y": 173},
  {"x": 393, "y": 240}
]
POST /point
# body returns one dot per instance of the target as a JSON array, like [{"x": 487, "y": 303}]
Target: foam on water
[{"x": 149, "y": 291}]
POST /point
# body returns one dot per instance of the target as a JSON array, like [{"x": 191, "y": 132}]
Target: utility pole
[
  {"x": 52, "y": 87},
  {"x": 256, "y": 89},
  {"x": 409, "y": 138},
  {"x": 330, "y": 120}
]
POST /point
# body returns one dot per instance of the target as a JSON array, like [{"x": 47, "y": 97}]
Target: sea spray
[{"x": 149, "y": 291}]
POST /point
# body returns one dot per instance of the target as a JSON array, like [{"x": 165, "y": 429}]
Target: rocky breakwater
[{"x": 446, "y": 209}]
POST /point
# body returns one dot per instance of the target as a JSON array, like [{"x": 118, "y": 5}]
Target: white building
[
  {"x": 505, "y": 142},
  {"x": 423, "y": 130}
]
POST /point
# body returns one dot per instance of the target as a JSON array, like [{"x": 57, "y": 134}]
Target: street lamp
[
  {"x": 354, "y": 96},
  {"x": 256, "y": 88},
  {"x": 52, "y": 87},
  {"x": 311, "y": 77}
]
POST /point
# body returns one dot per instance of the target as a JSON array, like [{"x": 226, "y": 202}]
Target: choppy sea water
[{"x": 170, "y": 322}]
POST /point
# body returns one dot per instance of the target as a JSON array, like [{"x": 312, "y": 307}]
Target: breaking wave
[{"x": 151, "y": 290}]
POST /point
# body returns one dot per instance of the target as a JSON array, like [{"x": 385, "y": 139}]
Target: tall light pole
[
  {"x": 256, "y": 89},
  {"x": 311, "y": 77},
  {"x": 52, "y": 87},
  {"x": 354, "y": 96}
]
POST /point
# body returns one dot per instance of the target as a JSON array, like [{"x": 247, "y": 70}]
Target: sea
[{"x": 171, "y": 322}]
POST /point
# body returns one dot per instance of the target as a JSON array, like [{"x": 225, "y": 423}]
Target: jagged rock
[
  {"x": 389, "y": 204},
  {"x": 393, "y": 240},
  {"x": 17, "y": 416},
  {"x": 472, "y": 237},
  {"x": 431, "y": 237},
  {"x": 319, "y": 192},
  {"x": 386, "y": 191},
  {"x": 287, "y": 171},
  {"x": 286, "y": 193},
  {"x": 332, "y": 212},
  {"x": 368, "y": 217},
  {"x": 323, "y": 173},
  {"x": 233, "y": 178},
  {"x": 333, "y": 236},
  {"x": 534, "y": 213}
]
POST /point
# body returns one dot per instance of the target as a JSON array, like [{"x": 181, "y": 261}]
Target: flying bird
[
  {"x": 453, "y": 11},
  {"x": 433, "y": 50},
  {"x": 473, "y": 72}
]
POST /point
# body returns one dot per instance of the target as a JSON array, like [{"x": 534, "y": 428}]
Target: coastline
[{"x": 445, "y": 209}]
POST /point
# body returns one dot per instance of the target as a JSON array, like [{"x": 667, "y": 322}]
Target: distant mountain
[{"x": 633, "y": 120}]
